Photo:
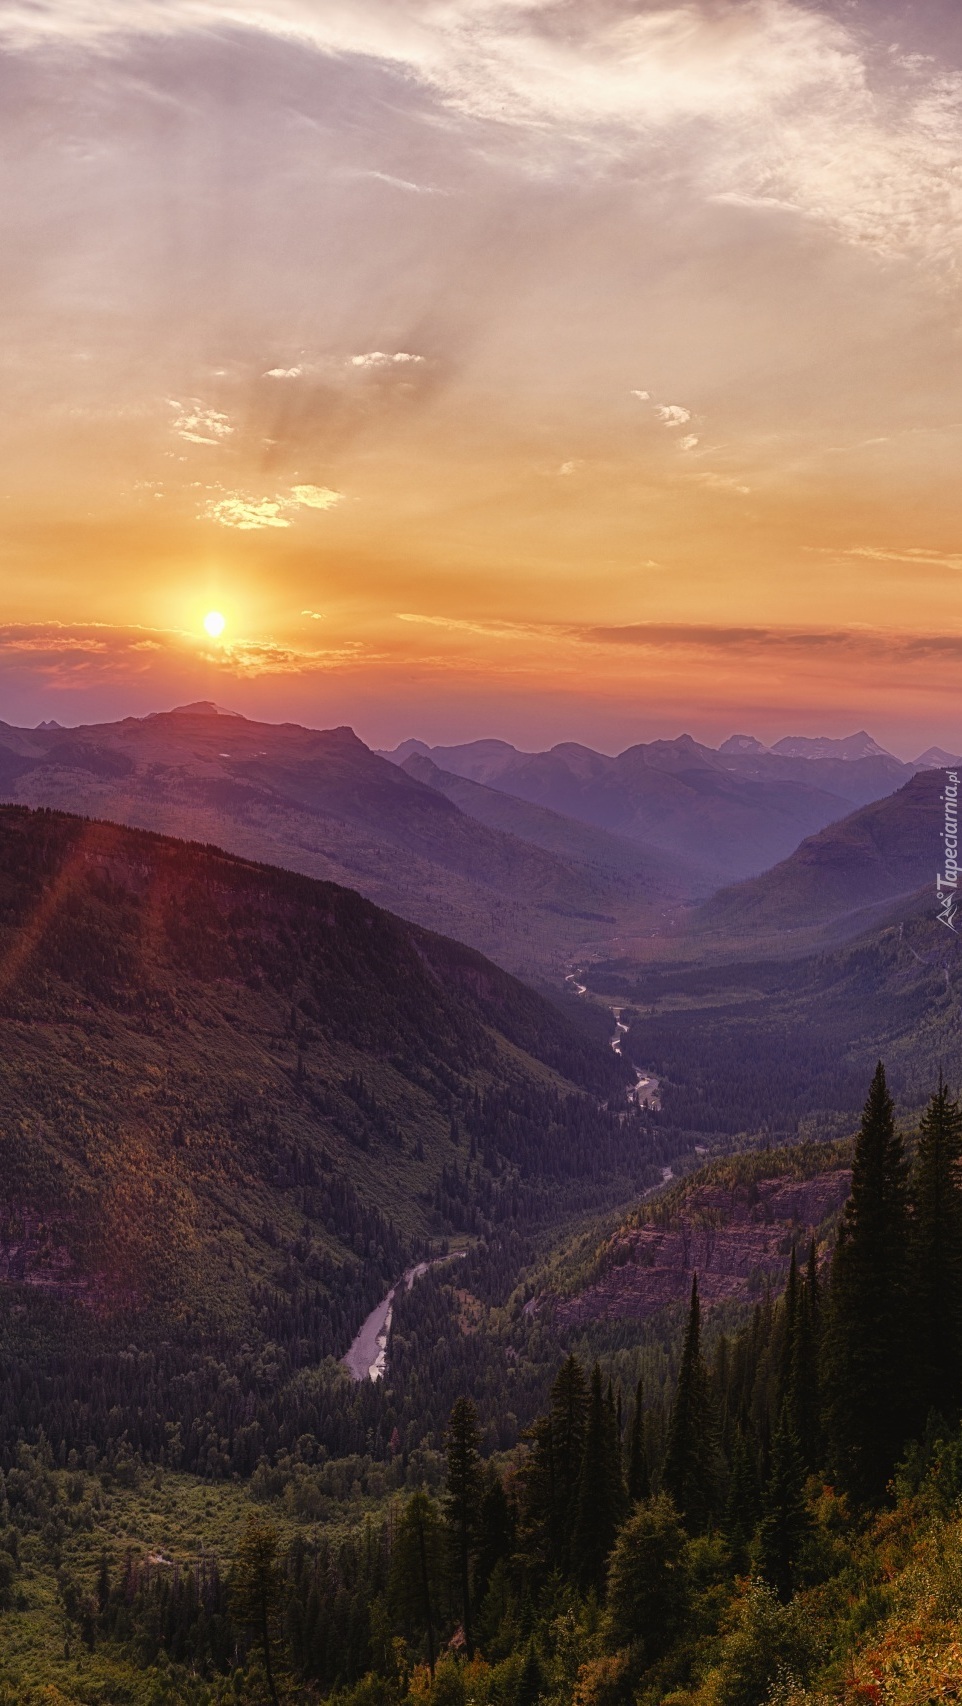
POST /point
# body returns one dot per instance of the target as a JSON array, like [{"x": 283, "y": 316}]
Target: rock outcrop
[{"x": 738, "y": 1241}]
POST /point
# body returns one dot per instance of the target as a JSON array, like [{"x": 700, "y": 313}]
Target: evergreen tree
[
  {"x": 649, "y": 1584},
  {"x": 690, "y": 1473},
  {"x": 530, "y": 1679},
  {"x": 600, "y": 1490},
  {"x": 743, "y": 1506},
  {"x": 790, "y": 1311},
  {"x": 416, "y": 1569},
  {"x": 568, "y": 1417},
  {"x": 785, "y": 1516},
  {"x": 256, "y": 1592},
  {"x": 464, "y": 1487},
  {"x": 865, "y": 1349},
  {"x": 637, "y": 1474},
  {"x": 803, "y": 1395},
  {"x": 495, "y": 1536},
  {"x": 936, "y": 1260}
]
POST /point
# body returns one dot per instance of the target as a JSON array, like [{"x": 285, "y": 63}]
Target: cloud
[
  {"x": 643, "y": 396},
  {"x": 773, "y": 106},
  {"x": 315, "y": 497},
  {"x": 689, "y": 442},
  {"x": 919, "y": 555},
  {"x": 495, "y": 629},
  {"x": 875, "y": 645},
  {"x": 377, "y": 358},
  {"x": 197, "y": 425},
  {"x": 250, "y": 658},
  {"x": 315, "y": 615},
  {"x": 64, "y": 655},
  {"x": 248, "y": 514},
  {"x": 723, "y": 483},
  {"x": 672, "y": 414},
  {"x": 284, "y": 373}
]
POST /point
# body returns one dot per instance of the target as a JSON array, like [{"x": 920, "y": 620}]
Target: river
[
  {"x": 644, "y": 1091},
  {"x": 367, "y": 1357}
]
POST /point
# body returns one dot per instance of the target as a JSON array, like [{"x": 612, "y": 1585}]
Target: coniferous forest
[{"x": 759, "y": 1525}]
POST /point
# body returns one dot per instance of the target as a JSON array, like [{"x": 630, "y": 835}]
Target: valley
[{"x": 288, "y": 1178}]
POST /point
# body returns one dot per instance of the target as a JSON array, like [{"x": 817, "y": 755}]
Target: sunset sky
[{"x": 548, "y": 369}]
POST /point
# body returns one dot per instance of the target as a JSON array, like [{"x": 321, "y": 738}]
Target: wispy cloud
[
  {"x": 315, "y": 497},
  {"x": 61, "y": 654},
  {"x": 482, "y": 625},
  {"x": 247, "y": 514},
  {"x": 284, "y": 373},
  {"x": 250, "y": 658},
  {"x": 878, "y": 644},
  {"x": 377, "y": 358},
  {"x": 795, "y": 114},
  {"x": 919, "y": 555},
  {"x": 197, "y": 425}
]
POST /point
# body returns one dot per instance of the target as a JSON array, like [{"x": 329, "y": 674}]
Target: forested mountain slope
[
  {"x": 207, "y": 1063},
  {"x": 875, "y": 856}
]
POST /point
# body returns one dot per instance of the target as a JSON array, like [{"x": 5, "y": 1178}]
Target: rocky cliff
[{"x": 738, "y": 1238}]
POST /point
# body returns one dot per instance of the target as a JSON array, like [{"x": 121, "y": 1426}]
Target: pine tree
[
  {"x": 637, "y": 1474},
  {"x": 690, "y": 1474},
  {"x": 464, "y": 1487},
  {"x": 600, "y": 1491},
  {"x": 865, "y": 1358},
  {"x": 936, "y": 1260},
  {"x": 785, "y": 1516}
]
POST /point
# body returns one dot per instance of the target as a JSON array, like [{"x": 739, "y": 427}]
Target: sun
[{"x": 214, "y": 624}]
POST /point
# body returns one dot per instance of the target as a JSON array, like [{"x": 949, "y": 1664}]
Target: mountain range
[
  {"x": 529, "y": 891},
  {"x": 735, "y": 811}
]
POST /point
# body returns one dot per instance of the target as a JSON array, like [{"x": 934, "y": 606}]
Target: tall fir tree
[
  {"x": 936, "y": 1260},
  {"x": 690, "y": 1475},
  {"x": 786, "y": 1521},
  {"x": 743, "y": 1506},
  {"x": 865, "y": 1355},
  {"x": 568, "y": 1413},
  {"x": 600, "y": 1491},
  {"x": 464, "y": 1489},
  {"x": 637, "y": 1473},
  {"x": 417, "y": 1556},
  {"x": 803, "y": 1394}
]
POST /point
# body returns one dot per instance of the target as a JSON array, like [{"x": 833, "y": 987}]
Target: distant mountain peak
[
  {"x": 849, "y": 748},
  {"x": 51, "y": 723},
  {"x": 199, "y": 708},
  {"x": 936, "y": 758},
  {"x": 742, "y": 744}
]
